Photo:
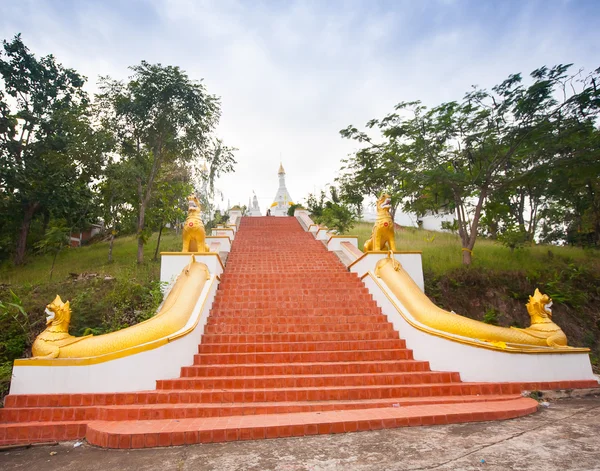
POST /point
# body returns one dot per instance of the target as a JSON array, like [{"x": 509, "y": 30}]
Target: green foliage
[
  {"x": 16, "y": 335},
  {"x": 331, "y": 212},
  {"x": 293, "y": 208},
  {"x": 565, "y": 285},
  {"x": 491, "y": 316},
  {"x": 50, "y": 152},
  {"x": 513, "y": 238},
  {"x": 160, "y": 117},
  {"x": 218, "y": 219},
  {"x": 498, "y": 158},
  {"x": 451, "y": 226}
]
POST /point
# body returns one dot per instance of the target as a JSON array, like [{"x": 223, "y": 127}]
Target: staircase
[{"x": 294, "y": 346}]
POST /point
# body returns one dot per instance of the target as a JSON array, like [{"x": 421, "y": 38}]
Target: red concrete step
[
  {"x": 322, "y": 393},
  {"x": 308, "y": 381},
  {"x": 241, "y": 292},
  {"x": 235, "y": 317},
  {"x": 302, "y": 357},
  {"x": 300, "y": 346},
  {"x": 300, "y": 301},
  {"x": 36, "y": 432},
  {"x": 172, "y": 397},
  {"x": 296, "y": 328},
  {"x": 364, "y": 367},
  {"x": 197, "y": 410},
  {"x": 171, "y": 432},
  {"x": 209, "y": 339},
  {"x": 257, "y": 310}
]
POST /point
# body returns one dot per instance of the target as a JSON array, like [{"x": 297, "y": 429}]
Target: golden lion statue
[
  {"x": 194, "y": 235},
  {"x": 542, "y": 326},
  {"x": 542, "y": 332},
  {"x": 383, "y": 230},
  {"x": 56, "y": 335},
  {"x": 56, "y": 342}
]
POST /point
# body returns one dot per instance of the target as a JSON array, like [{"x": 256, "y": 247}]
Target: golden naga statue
[
  {"x": 56, "y": 342},
  {"x": 383, "y": 230},
  {"x": 542, "y": 332},
  {"x": 194, "y": 235}
]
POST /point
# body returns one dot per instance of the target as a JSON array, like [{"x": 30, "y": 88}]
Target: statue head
[
  {"x": 193, "y": 204},
  {"x": 539, "y": 308},
  {"x": 58, "y": 313},
  {"x": 384, "y": 202}
]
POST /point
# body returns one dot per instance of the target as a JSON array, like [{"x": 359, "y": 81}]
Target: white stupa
[
  {"x": 253, "y": 208},
  {"x": 283, "y": 200}
]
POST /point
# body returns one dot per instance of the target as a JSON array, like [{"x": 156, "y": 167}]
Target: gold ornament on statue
[
  {"x": 383, "y": 230},
  {"x": 56, "y": 342},
  {"x": 194, "y": 236},
  {"x": 543, "y": 332}
]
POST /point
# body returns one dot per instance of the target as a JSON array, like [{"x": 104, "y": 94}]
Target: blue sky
[{"x": 291, "y": 74}]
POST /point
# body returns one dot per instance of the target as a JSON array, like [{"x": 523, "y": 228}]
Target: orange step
[{"x": 173, "y": 432}]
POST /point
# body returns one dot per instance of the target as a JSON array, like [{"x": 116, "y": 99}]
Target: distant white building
[
  {"x": 283, "y": 200},
  {"x": 253, "y": 208},
  {"x": 431, "y": 222}
]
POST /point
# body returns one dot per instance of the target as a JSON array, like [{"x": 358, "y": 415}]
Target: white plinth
[
  {"x": 472, "y": 362},
  {"x": 171, "y": 264},
  {"x": 223, "y": 241},
  {"x": 335, "y": 242}
]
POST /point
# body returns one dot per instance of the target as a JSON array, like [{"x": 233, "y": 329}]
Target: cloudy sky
[{"x": 291, "y": 74}]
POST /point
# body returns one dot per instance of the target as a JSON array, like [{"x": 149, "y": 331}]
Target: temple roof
[{"x": 281, "y": 170}]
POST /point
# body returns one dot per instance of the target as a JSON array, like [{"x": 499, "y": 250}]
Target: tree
[
  {"x": 55, "y": 239},
  {"x": 169, "y": 203},
  {"x": 116, "y": 199},
  {"x": 459, "y": 154},
  {"x": 331, "y": 211},
  {"x": 218, "y": 160},
  {"x": 49, "y": 150},
  {"x": 160, "y": 116}
]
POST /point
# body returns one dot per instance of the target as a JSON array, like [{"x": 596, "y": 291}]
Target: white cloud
[{"x": 291, "y": 75}]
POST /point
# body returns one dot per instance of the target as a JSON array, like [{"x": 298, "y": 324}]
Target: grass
[
  {"x": 93, "y": 259},
  {"x": 442, "y": 252}
]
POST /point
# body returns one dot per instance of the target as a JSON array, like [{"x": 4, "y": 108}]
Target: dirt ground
[{"x": 563, "y": 436}]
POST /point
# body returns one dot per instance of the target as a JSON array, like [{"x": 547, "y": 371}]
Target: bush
[{"x": 513, "y": 238}]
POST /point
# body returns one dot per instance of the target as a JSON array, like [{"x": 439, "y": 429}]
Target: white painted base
[
  {"x": 223, "y": 241},
  {"x": 334, "y": 243},
  {"x": 411, "y": 262},
  {"x": 223, "y": 231},
  {"x": 171, "y": 264},
  {"x": 137, "y": 372},
  {"x": 235, "y": 216},
  {"x": 323, "y": 234},
  {"x": 474, "y": 363}
]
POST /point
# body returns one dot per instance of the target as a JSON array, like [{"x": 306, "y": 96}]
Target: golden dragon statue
[
  {"x": 542, "y": 332},
  {"x": 383, "y": 230},
  {"x": 56, "y": 342},
  {"x": 194, "y": 236}
]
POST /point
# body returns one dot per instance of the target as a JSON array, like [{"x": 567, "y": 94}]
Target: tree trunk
[
  {"x": 158, "y": 241},
  {"x": 24, "y": 231},
  {"x": 110, "y": 246},
  {"x": 469, "y": 243},
  {"x": 467, "y": 257},
  {"x": 140, "y": 229},
  {"x": 53, "y": 262},
  {"x": 45, "y": 221}
]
